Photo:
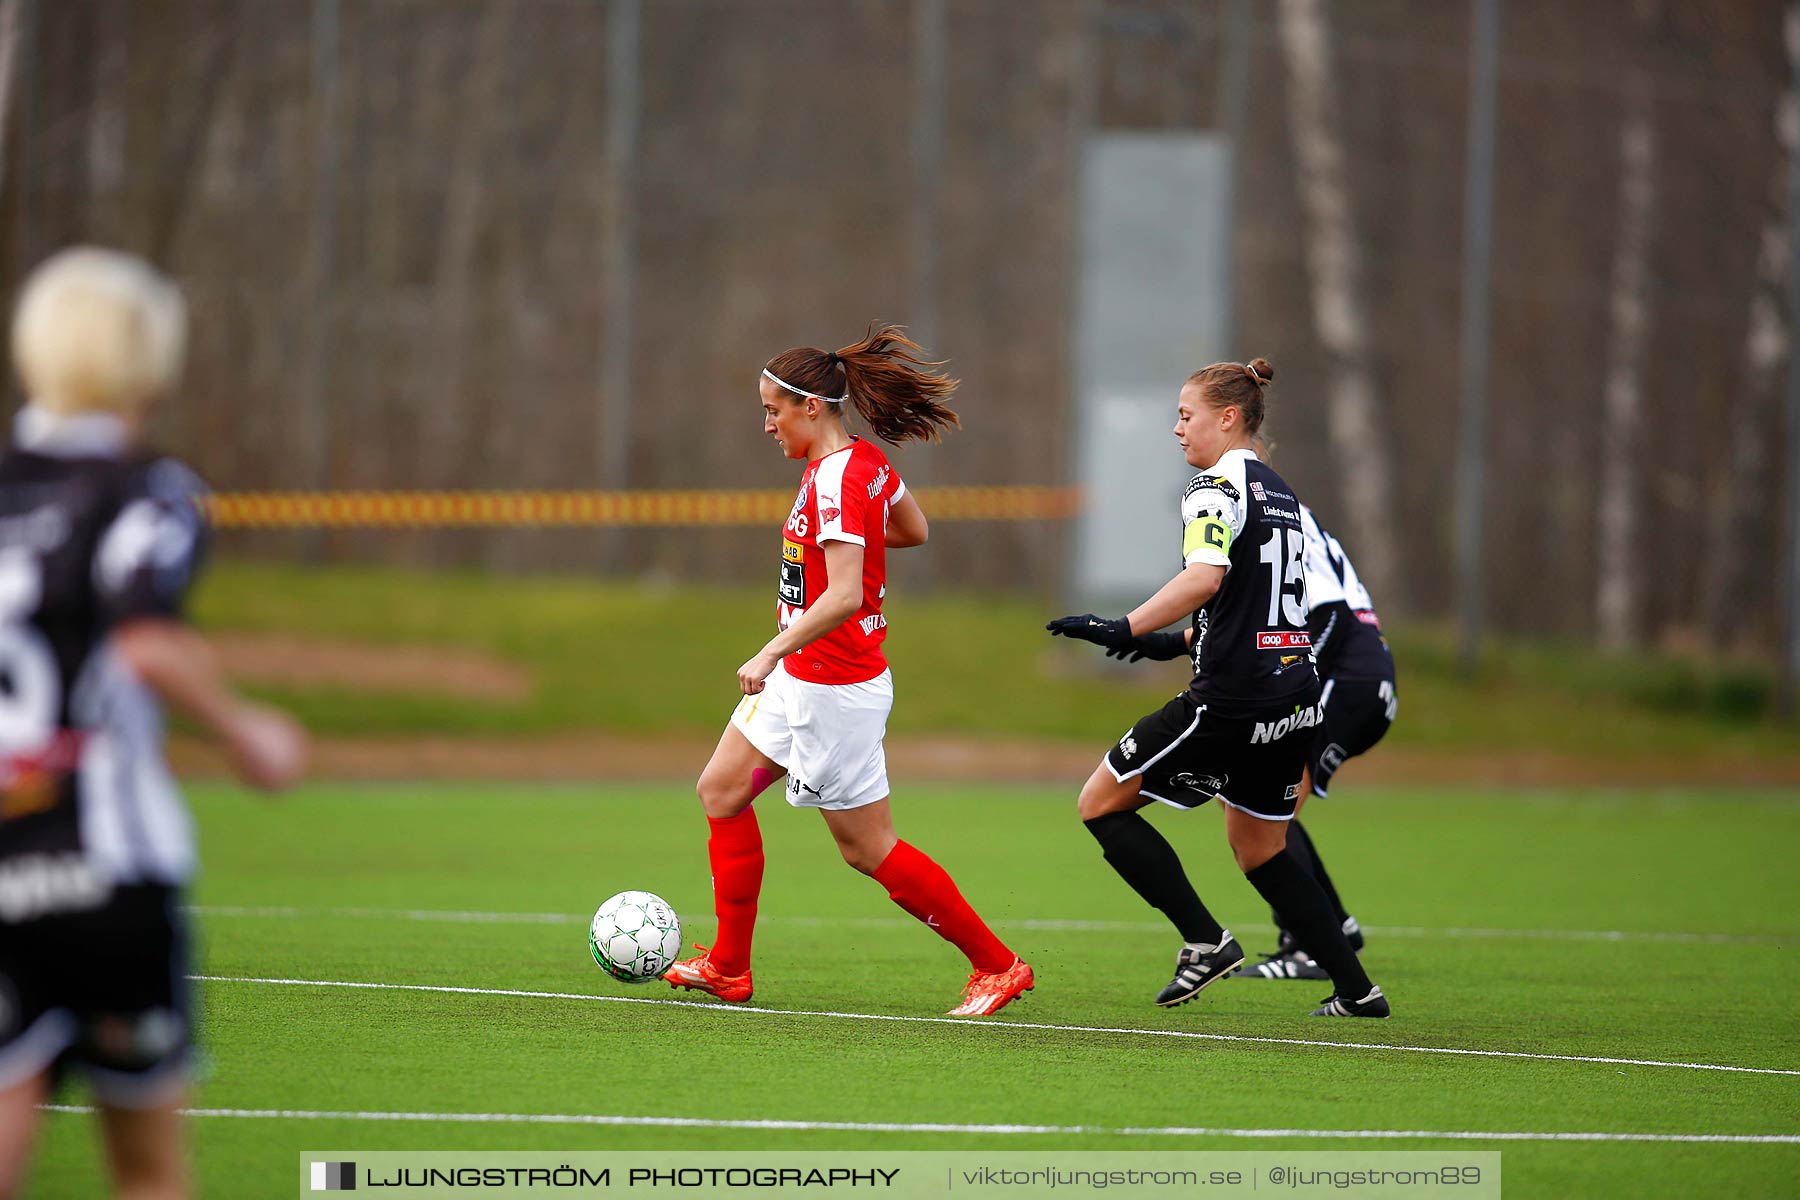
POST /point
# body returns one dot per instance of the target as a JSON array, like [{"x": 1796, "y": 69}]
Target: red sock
[
  {"x": 736, "y": 851},
  {"x": 925, "y": 890}
]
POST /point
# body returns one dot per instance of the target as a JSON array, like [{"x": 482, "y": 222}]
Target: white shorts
[{"x": 827, "y": 736}]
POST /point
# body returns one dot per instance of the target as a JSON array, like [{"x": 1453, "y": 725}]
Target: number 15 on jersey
[{"x": 1284, "y": 555}]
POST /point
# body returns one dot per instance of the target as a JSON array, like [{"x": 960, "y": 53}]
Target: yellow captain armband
[{"x": 1206, "y": 531}]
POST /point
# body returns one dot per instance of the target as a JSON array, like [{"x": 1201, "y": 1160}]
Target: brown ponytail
[
  {"x": 882, "y": 376},
  {"x": 1237, "y": 385}
]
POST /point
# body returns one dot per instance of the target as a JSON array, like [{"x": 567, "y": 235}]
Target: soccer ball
[{"x": 635, "y": 937}]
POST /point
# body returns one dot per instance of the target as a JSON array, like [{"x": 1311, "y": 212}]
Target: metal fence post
[
  {"x": 1234, "y": 115},
  {"x": 624, "y": 31},
  {"x": 1478, "y": 245},
  {"x": 925, "y": 226},
  {"x": 1789, "y": 686},
  {"x": 315, "y": 420}
]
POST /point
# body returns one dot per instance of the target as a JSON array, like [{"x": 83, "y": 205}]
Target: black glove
[
  {"x": 1113, "y": 634},
  {"x": 1157, "y": 647}
]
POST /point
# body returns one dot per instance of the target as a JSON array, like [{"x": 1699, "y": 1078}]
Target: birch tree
[
  {"x": 1339, "y": 303},
  {"x": 1736, "y": 550},
  {"x": 1619, "y": 586}
]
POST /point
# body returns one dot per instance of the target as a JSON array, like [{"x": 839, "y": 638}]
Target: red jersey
[{"x": 844, "y": 497}]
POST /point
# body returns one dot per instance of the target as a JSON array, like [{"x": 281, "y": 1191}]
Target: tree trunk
[
  {"x": 9, "y": 60},
  {"x": 1740, "y": 583},
  {"x": 1618, "y": 594},
  {"x": 1335, "y": 263}
]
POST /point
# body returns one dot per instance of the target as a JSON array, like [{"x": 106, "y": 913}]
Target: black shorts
[
  {"x": 1357, "y": 714},
  {"x": 104, "y": 991},
  {"x": 1187, "y": 756}
]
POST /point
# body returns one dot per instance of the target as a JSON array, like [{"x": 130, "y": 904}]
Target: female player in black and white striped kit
[
  {"x": 99, "y": 541},
  {"x": 1241, "y": 731},
  {"x": 1357, "y": 704}
]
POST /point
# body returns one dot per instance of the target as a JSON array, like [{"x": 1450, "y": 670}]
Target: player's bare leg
[
  {"x": 1103, "y": 794},
  {"x": 1254, "y": 841},
  {"x": 866, "y": 838},
  {"x": 148, "y": 1151},
  {"x": 18, "y": 1126},
  {"x": 735, "y": 775}
]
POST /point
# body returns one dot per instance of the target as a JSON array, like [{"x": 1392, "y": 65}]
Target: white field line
[
  {"x": 1462, "y": 1135},
  {"x": 734, "y": 1009},
  {"x": 290, "y": 912}
]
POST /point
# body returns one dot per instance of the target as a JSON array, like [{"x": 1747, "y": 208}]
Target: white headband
[
  {"x": 774, "y": 378},
  {"x": 1253, "y": 373}
]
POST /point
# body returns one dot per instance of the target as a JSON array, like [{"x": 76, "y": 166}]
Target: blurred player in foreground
[
  {"x": 99, "y": 542},
  {"x": 1356, "y": 706},
  {"x": 1241, "y": 732},
  {"x": 817, "y": 696}
]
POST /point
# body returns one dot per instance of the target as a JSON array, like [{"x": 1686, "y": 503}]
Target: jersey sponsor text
[
  {"x": 38, "y": 885},
  {"x": 843, "y": 497},
  {"x": 1274, "y": 731}
]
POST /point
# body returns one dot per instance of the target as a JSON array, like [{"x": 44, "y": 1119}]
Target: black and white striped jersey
[
  {"x": 1252, "y": 650},
  {"x": 91, "y": 536},
  {"x": 1346, "y": 632}
]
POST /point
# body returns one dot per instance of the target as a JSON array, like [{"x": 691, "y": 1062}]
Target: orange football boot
[
  {"x": 699, "y": 974},
  {"x": 989, "y": 992}
]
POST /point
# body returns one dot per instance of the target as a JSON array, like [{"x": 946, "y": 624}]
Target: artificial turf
[{"x": 1649, "y": 925}]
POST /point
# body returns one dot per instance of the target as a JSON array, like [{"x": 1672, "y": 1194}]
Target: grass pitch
[{"x": 1612, "y": 925}]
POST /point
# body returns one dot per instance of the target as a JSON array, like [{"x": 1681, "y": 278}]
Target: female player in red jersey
[{"x": 817, "y": 696}]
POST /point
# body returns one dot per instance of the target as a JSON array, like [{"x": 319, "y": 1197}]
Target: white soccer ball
[{"x": 635, "y": 937}]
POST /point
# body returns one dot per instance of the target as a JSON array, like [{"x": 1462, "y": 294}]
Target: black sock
[
  {"x": 1144, "y": 859},
  {"x": 1293, "y": 893},
  {"x": 1300, "y": 845}
]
